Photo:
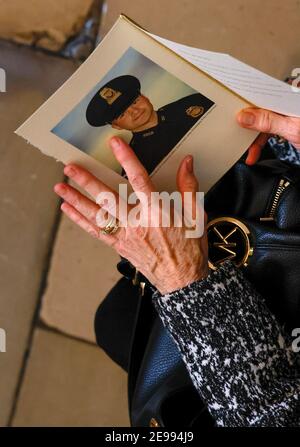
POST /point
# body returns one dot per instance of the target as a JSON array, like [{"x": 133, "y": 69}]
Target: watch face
[{"x": 228, "y": 239}]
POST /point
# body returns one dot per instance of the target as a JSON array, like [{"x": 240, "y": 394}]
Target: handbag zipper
[{"x": 282, "y": 185}]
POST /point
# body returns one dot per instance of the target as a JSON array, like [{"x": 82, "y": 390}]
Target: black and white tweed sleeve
[
  {"x": 284, "y": 150},
  {"x": 235, "y": 351}
]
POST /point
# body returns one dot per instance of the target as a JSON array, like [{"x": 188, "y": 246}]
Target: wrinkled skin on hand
[{"x": 164, "y": 255}]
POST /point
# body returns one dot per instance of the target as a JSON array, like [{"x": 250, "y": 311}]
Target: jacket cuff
[{"x": 217, "y": 280}]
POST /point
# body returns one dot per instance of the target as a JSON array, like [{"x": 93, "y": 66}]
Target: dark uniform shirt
[{"x": 174, "y": 121}]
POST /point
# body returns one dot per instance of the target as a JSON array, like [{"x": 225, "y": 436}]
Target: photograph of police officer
[
  {"x": 137, "y": 100},
  {"x": 121, "y": 104}
]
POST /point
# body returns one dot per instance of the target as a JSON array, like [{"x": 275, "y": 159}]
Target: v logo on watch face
[
  {"x": 228, "y": 239},
  {"x": 225, "y": 245}
]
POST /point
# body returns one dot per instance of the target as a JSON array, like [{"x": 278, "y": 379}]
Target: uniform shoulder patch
[{"x": 194, "y": 111}]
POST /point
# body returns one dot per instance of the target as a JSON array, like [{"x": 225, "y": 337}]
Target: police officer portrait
[{"x": 140, "y": 102}]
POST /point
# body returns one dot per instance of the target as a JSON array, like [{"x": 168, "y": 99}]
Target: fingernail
[
  {"x": 115, "y": 142},
  {"x": 189, "y": 164},
  {"x": 70, "y": 171},
  {"x": 60, "y": 188},
  {"x": 246, "y": 118},
  {"x": 63, "y": 206}
]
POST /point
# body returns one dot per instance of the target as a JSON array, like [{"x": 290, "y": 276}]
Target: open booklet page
[
  {"x": 255, "y": 86},
  {"x": 165, "y": 107}
]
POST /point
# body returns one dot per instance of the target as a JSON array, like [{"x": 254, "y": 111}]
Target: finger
[
  {"x": 91, "y": 184},
  {"x": 270, "y": 122},
  {"x": 136, "y": 172},
  {"x": 87, "y": 226},
  {"x": 105, "y": 197},
  {"x": 81, "y": 203},
  {"x": 255, "y": 149}
]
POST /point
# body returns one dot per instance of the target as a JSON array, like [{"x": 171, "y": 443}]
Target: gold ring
[{"x": 111, "y": 227}]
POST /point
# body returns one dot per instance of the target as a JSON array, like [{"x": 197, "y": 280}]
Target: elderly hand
[
  {"x": 269, "y": 123},
  {"x": 164, "y": 255}
]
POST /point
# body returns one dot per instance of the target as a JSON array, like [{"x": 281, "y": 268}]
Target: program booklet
[{"x": 165, "y": 99}]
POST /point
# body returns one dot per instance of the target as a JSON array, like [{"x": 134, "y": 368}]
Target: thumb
[
  {"x": 187, "y": 182},
  {"x": 186, "y": 179},
  {"x": 268, "y": 122}
]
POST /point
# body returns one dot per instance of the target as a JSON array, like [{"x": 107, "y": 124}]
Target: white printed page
[{"x": 255, "y": 86}]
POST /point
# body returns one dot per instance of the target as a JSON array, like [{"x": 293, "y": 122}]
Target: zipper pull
[{"x": 282, "y": 185}]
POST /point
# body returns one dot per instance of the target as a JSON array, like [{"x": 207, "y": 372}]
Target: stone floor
[
  {"x": 70, "y": 383},
  {"x": 53, "y": 276},
  {"x": 49, "y": 28}
]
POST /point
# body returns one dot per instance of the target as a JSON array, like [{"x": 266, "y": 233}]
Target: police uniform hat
[{"x": 112, "y": 100}]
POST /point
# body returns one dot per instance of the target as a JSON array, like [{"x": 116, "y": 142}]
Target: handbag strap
[{"x": 143, "y": 323}]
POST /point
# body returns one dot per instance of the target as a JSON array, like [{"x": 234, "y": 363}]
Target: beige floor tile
[
  {"x": 28, "y": 206},
  {"x": 82, "y": 271},
  {"x": 71, "y": 383},
  {"x": 265, "y": 34},
  {"x": 49, "y": 27}
]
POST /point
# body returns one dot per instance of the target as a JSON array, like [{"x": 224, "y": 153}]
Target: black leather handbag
[{"x": 254, "y": 220}]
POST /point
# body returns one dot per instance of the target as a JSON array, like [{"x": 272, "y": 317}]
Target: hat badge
[{"x": 109, "y": 94}]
